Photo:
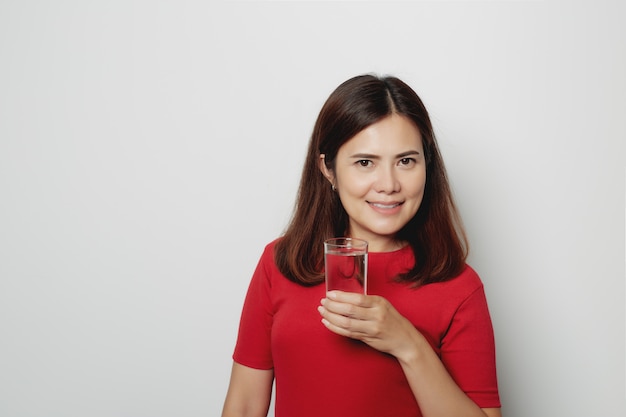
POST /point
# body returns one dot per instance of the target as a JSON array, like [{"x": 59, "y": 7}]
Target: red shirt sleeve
[
  {"x": 253, "y": 347},
  {"x": 468, "y": 350}
]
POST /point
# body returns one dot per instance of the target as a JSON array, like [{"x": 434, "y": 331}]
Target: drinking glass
[{"x": 345, "y": 264}]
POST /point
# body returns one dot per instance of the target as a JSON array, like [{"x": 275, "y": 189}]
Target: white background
[{"x": 149, "y": 150}]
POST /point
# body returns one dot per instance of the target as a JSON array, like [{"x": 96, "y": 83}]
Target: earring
[{"x": 333, "y": 187}]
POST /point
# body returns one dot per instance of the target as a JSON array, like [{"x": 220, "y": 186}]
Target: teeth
[{"x": 385, "y": 206}]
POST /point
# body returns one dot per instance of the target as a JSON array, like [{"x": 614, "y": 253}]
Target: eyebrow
[{"x": 372, "y": 156}]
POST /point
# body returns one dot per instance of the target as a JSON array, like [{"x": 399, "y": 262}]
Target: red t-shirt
[{"x": 319, "y": 373}]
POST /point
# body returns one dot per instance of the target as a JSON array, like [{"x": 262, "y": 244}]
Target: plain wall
[{"x": 150, "y": 149}]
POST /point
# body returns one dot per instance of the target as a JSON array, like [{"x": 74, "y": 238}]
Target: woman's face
[{"x": 380, "y": 175}]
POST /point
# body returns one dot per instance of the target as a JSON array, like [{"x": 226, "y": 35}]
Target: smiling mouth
[{"x": 384, "y": 206}]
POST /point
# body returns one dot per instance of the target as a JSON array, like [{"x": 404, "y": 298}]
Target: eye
[
  {"x": 364, "y": 162},
  {"x": 407, "y": 161}
]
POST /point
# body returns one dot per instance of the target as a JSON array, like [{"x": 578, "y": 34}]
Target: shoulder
[
  {"x": 468, "y": 278},
  {"x": 267, "y": 259},
  {"x": 268, "y": 250},
  {"x": 460, "y": 287}
]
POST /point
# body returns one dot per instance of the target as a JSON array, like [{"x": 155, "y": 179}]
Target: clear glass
[{"x": 345, "y": 264}]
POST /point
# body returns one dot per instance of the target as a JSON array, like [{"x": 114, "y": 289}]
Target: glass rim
[{"x": 346, "y": 242}]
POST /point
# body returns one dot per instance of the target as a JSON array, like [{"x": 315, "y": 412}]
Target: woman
[{"x": 420, "y": 343}]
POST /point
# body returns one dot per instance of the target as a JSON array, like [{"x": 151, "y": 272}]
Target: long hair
[{"x": 435, "y": 233}]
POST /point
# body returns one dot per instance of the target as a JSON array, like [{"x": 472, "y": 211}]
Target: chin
[{"x": 389, "y": 233}]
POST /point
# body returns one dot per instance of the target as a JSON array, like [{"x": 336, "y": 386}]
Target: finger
[
  {"x": 350, "y": 326},
  {"x": 338, "y": 330},
  {"x": 346, "y": 297},
  {"x": 344, "y": 309},
  {"x": 361, "y": 300},
  {"x": 342, "y": 325}
]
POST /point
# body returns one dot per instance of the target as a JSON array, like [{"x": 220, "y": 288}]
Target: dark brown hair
[{"x": 435, "y": 233}]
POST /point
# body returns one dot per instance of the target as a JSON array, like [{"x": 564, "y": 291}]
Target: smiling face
[{"x": 380, "y": 176}]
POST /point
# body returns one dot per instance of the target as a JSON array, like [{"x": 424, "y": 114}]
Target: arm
[
  {"x": 376, "y": 322},
  {"x": 433, "y": 387},
  {"x": 249, "y": 392}
]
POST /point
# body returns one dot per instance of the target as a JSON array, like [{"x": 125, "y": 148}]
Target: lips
[{"x": 384, "y": 206}]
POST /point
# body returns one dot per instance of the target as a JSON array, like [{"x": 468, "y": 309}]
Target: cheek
[
  {"x": 416, "y": 185},
  {"x": 354, "y": 185}
]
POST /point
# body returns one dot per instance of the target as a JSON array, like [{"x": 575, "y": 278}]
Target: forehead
[{"x": 391, "y": 135}]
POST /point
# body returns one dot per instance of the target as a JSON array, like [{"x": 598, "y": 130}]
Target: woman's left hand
[{"x": 370, "y": 319}]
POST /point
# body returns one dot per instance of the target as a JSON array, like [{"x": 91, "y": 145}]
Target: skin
[
  {"x": 249, "y": 392},
  {"x": 380, "y": 176}
]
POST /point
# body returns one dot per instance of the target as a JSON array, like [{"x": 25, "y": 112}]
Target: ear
[{"x": 325, "y": 171}]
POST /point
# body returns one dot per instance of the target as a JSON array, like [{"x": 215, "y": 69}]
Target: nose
[{"x": 386, "y": 181}]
